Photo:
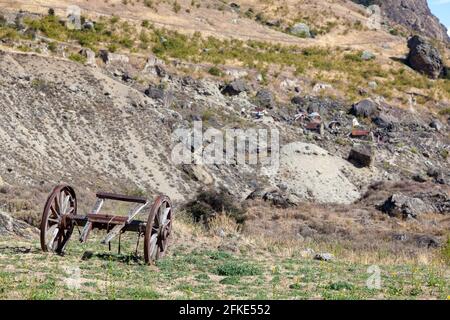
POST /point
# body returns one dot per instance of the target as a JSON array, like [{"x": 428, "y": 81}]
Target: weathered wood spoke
[
  {"x": 55, "y": 230},
  {"x": 158, "y": 229}
]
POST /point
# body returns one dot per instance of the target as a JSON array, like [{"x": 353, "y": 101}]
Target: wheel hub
[{"x": 164, "y": 231}]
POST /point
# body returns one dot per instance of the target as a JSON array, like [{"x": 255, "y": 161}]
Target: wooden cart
[{"x": 60, "y": 217}]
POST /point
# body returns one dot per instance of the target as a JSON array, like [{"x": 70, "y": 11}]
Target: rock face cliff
[{"x": 414, "y": 14}]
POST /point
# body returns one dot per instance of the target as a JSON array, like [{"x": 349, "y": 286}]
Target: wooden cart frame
[{"x": 60, "y": 217}]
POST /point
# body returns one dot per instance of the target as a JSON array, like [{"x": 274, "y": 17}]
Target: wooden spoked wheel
[
  {"x": 56, "y": 228},
  {"x": 158, "y": 229}
]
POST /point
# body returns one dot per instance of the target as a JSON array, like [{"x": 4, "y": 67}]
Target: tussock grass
[{"x": 195, "y": 268}]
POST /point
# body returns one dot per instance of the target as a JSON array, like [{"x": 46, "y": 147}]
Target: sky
[{"x": 441, "y": 9}]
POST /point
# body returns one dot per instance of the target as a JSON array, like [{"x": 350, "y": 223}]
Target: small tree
[{"x": 51, "y": 12}]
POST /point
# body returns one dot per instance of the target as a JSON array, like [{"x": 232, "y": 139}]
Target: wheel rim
[
  {"x": 158, "y": 230},
  {"x": 56, "y": 227}
]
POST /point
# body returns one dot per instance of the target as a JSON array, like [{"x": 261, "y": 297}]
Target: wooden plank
[{"x": 120, "y": 197}]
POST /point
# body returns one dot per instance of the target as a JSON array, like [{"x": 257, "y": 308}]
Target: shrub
[
  {"x": 209, "y": 203},
  {"x": 77, "y": 57},
  {"x": 176, "y": 7},
  {"x": 238, "y": 268},
  {"x": 145, "y": 24},
  {"x": 445, "y": 111},
  {"x": 114, "y": 19},
  {"x": 340, "y": 285},
  {"x": 215, "y": 71},
  {"x": 52, "y": 46}
]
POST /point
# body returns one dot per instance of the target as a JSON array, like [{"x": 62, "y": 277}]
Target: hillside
[{"x": 100, "y": 107}]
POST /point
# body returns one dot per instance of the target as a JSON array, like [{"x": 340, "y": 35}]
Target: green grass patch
[{"x": 238, "y": 268}]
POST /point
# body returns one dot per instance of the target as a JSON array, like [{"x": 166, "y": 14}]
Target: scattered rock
[
  {"x": 88, "y": 25},
  {"x": 361, "y": 156},
  {"x": 236, "y": 7},
  {"x": 367, "y": 55},
  {"x": 325, "y": 256},
  {"x": 321, "y": 86},
  {"x": 301, "y": 30},
  {"x": 236, "y": 73},
  {"x": 112, "y": 58},
  {"x": 424, "y": 57},
  {"x": 155, "y": 92},
  {"x": 437, "y": 174},
  {"x": 298, "y": 100},
  {"x": 89, "y": 55},
  {"x": 419, "y": 178},
  {"x": 399, "y": 205},
  {"x": 364, "y": 108},
  {"x": 273, "y": 22},
  {"x": 372, "y": 85},
  {"x": 221, "y": 233},
  {"x": 235, "y": 87},
  {"x": 426, "y": 241},
  {"x": 436, "y": 124},
  {"x": 275, "y": 196},
  {"x": 384, "y": 121},
  {"x": 265, "y": 99},
  {"x": 439, "y": 201},
  {"x": 155, "y": 66}
]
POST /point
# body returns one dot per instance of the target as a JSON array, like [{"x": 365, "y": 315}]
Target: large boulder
[
  {"x": 399, "y": 205},
  {"x": 364, "y": 108},
  {"x": 235, "y": 87},
  {"x": 265, "y": 99},
  {"x": 89, "y": 55},
  {"x": 385, "y": 121},
  {"x": 113, "y": 58},
  {"x": 424, "y": 57},
  {"x": 367, "y": 55},
  {"x": 274, "y": 195},
  {"x": 361, "y": 156},
  {"x": 155, "y": 66},
  {"x": 301, "y": 30},
  {"x": 198, "y": 173},
  {"x": 155, "y": 92}
]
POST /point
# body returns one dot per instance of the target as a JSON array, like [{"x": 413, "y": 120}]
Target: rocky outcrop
[
  {"x": 235, "y": 87},
  {"x": 275, "y": 196},
  {"x": 413, "y": 14},
  {"x": 425, "y": 58},
  {"x": 112, "y": 58},
  {"x": 399, "y": 205}
]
